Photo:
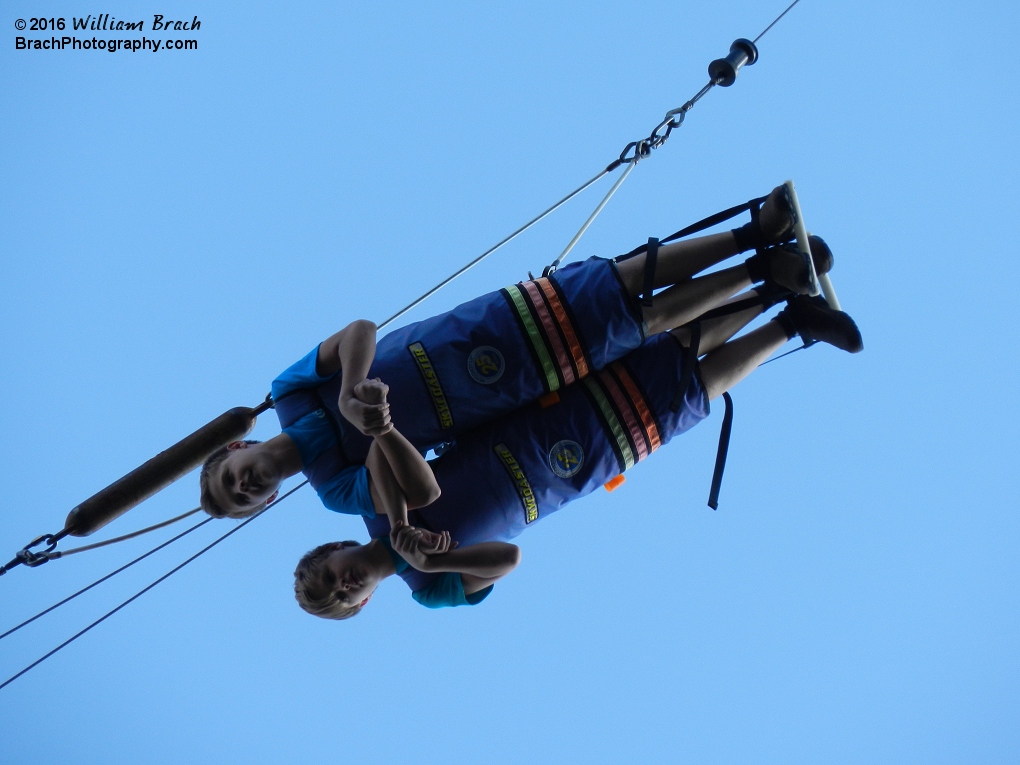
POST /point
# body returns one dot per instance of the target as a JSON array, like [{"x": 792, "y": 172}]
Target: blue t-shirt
[
  {"x": 444, "y": 590},
  {"x": 347, "y": 491}
]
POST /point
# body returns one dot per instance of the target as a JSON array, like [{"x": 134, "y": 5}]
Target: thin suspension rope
[
  {"x": 784, "y": 355},
  {"x": 145, "y": 589},
  {"x": 593, "y": 216},
  {"x": 495, "y": 247},
  {"x": 108, "y": 576},
  {"x": 96, "y": 545},
  {"x": 674, "y": 119},
  {"x": 669, "y": 123},
  {"x": 775, "y": 21}
]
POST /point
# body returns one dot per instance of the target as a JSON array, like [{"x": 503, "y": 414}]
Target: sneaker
[
  {"x": 815, "y": 321},
  {"x": 776, "y": 218},
  {"x": 784, "y": 266},
  {"x": 774, "y": 224}
]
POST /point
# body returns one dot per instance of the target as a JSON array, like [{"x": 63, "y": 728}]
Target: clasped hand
[
  {"x": 417, "y": 546},
  {"x": 367, "y": 408}
]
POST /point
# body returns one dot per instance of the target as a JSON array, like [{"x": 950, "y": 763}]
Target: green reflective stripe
[
  {"x": 623, "y": 445},
  {"x": 537, "y": 341}
]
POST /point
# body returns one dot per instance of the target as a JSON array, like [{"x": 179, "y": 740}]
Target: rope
[
  {"x": 783, "y": 355},
  {"x": 555, "y": 264},
  {"x": 145, "y": 589},
  {"x": 61, "y": 553},
  {"x": 673, "y": 119},
  {"x": 495, "y": 247},
  {"x": 103, "y": 579}
]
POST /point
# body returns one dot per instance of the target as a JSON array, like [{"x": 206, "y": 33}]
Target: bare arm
[
  {"x": 479, "y": 565},
  {"x": 408, "y": 468},
  {"x": 387, "y": 498},
  {"x": 399, "y": 478},
  {"x": 352, "y": 351}
]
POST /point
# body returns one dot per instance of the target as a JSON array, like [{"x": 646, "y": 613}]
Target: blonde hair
[
  {"x": 315, "y": 588},
  {"x": 206, "y": 499}
]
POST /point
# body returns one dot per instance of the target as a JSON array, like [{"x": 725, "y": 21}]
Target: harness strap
[
  {"x": 690, "y": 362},
  {"x": 766, "y": 299},
  {"x": 720, "y": 455},
  {"x": 651, "y": 260},
  {"x": 701, "y": 225}
]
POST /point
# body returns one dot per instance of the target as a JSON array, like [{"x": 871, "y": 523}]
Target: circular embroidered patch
[
  {"x": 485, "y": 365},
  {"x": 566, "y": 458}
]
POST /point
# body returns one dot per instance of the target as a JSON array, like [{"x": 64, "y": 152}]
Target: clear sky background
[{"x": 178, "y": 227}]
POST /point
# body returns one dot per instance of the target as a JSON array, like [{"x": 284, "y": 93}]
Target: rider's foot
[
  {"x": 785, "y": 267},
  {"x": 774, "y": 224},
  {"x": 815, "y": 321}
]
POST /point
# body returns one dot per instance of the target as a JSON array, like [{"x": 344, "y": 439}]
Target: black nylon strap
[
  {"x": 756, "y": 226},
  {"x": 690, "y": 362},
  {"x": 715, "y": 220},
  {"x": 720, "y": 455},
  {"x": 766, "y": 301},
  {"x": 651, "y": 259},
  {"x": 701, "y": 225}
]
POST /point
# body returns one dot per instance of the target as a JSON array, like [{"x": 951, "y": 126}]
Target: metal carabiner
[{"x": 33, "y": 559}]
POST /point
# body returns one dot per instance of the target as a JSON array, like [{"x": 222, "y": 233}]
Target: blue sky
[{"x": 178, "y": 227}]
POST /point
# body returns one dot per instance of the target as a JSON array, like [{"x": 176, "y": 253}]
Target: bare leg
[
  {"x": 679, "y": 261},
  {"x": 685, "y": 302},
  {"x": 715, "y": 332},
  {"x": 729, "y": 364}
]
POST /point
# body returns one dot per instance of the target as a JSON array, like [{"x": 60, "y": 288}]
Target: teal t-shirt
[
  {"x": 444, "y": 591},
  {"x": 347, "y": 491}
]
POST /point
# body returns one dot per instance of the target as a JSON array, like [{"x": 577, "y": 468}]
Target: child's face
[
  {"x": 245, "y": 479},
  {"x": 352, "y": 574}
]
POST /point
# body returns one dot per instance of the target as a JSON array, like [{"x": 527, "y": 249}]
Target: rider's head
[
  {"x": 238, "y": 480},
  {"x": 335, "y": 580}
]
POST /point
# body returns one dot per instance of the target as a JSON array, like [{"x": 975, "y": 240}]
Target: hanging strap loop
[
  {"x": 721, "y": 452},
  {"x": 650, "y": 262},
  {"x": 690, "y": 363}
]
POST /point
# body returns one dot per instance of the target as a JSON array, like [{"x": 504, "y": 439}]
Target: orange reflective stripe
[
  {"x": 627, "y": 412},
  {"x": 568, "y": 328},
  {"x": 549, "y": 322},
  {"x": 639, "y": 404}
]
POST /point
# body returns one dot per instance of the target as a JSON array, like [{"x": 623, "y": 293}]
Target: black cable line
[
  {"x": 252, "y": 518},
  {"x": 103, "y": 579},
  {"x": 144, "y": 590},
  {"x": 789, "y": 8}
]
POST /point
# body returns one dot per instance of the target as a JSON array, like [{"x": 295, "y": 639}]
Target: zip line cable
[
  {"x": 653, "y": 142},
  {"x": 775, "y": 21},
  {"x": 548, "y": 211},
  {"x": 111, "y": 574},
  {"x": 145, "y": 589},
  {"x": 641, "y": 149}
]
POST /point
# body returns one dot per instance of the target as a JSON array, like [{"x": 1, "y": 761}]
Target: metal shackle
[
  {"x": 723, "y": 71},
  {"x": 159, "y": 472}
]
